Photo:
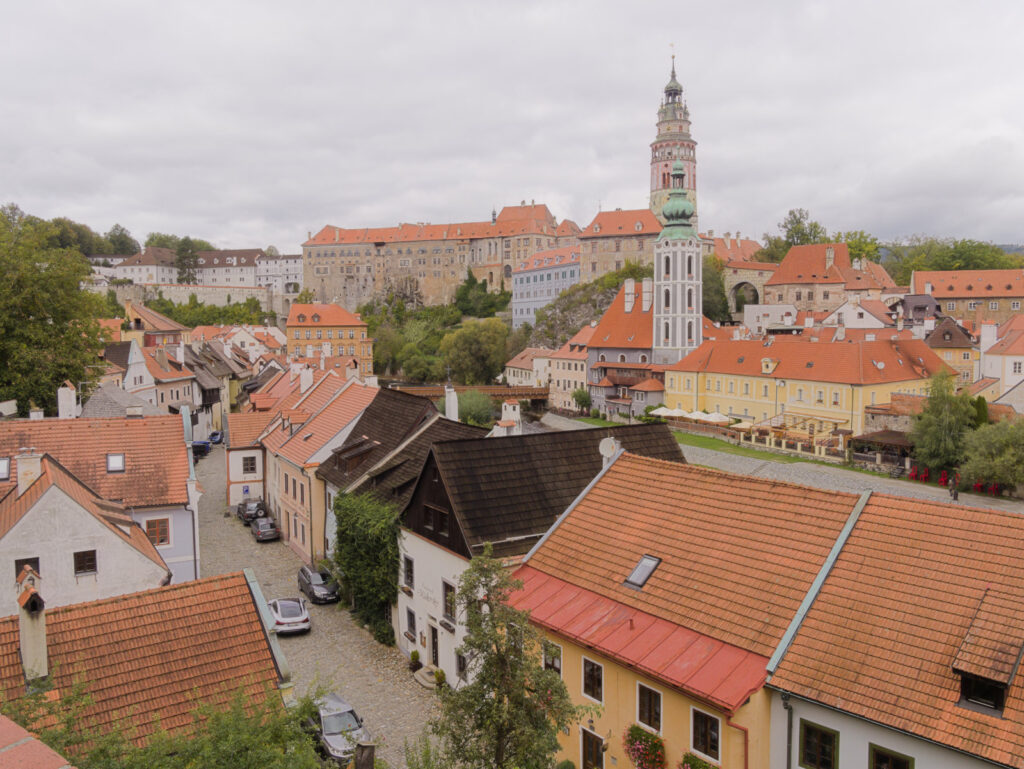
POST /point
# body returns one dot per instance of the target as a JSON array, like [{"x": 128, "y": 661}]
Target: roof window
[
  {"x": 642, "y": 571},
  {"x": 115, "y": 463},
  {"x": 5, "y": 468},
  {"x": 316, "y": 318},
  {"x": 301, "y": 318}
]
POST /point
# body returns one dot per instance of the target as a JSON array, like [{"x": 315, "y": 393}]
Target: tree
[
  {"x": 995, "y": 454},
  {"x": 271, "y": 251},
  {"x": 860, "y": 244},
  {"x": 940, "y": 430},
  {"x": 476, "y": 352},
  {"x": 366, "y": 558},
  {"x": 920, "y": 253},
  {"x": 715, "y": 303},
  {"x": 980, "y": 411},
  {"x": 510, "y": 710},
  {"x": 305, "y": 297},
  {"x": 186, "y": 261},
  {"x": 476, "y": 408},
  {"x": 581, "y": 397},
  {"x": 797, "y": 229},
  {"x": 48, "y": 328},
  {"x": 121, "y": 241}
]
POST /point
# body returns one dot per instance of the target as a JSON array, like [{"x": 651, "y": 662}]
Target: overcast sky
[{"x": 253, "y": 123}]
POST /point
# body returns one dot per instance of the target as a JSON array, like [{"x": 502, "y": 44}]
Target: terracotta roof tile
[
  {"x": 1011, "y": 343},
  {"x": 618, "y": 328},
  {"x": 245, "y": 429},
  {"x": 622, "y": 223},
  {"x": 150, "y": 656},
  {"x": 21, "y": 750},
  {"x": 328, "y": 314},
  {"x": 551, "y": 258},
  {"x": 524, "y": 360},
  {"x": 807, "y": 265},
  {"x": 983, "y": 284},
  {"x": 739, "y": 252},
  {"x": 155, "y": 455},
  {"x": 919, "y": 588},
  {"x": 327, "y": 423}
]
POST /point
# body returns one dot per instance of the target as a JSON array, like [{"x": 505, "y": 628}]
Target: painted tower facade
[
  {"x": 678, "y": 274},
  {"x": 673, "y": 144}
]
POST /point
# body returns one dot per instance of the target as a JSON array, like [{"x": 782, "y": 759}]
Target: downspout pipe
[
  {"x": 789, "y": 729},
  {"x": 746, "y": 742}
]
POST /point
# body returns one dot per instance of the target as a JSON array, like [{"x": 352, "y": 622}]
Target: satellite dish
[{"x": 607, "y": 447}]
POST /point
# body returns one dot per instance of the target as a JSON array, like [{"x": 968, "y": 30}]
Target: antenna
[{"x": 607, "y": 447}]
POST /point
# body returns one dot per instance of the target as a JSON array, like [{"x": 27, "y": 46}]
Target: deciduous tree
[
  {"x": 995, "y": 454},
  {"x": 476, "y": 352},
  {"x": 797, "y": 229},
  {"x": 581, "y": 397},
  {"x": 509, "y": 711},
  {"x": 121, "y": 241},
  {"x": 940, "y": 430},
  {"x": 715, "y": 303}
]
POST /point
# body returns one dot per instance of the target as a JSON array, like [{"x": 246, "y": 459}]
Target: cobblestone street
[{"x": 337, "y": 654}]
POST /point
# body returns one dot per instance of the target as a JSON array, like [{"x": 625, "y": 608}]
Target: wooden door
[
  {"x": 593, "y": 756},
  {"x": 433, "y": 646}
]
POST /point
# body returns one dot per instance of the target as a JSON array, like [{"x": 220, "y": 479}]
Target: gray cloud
[{"x": 253, "y": 123}]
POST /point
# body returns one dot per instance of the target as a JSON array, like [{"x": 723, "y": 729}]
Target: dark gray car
[
  {"x": 265, "y": 529},
  {"x": 338, "y": 729},
  {"x": 319, "y": 586},
  {"x": 250, "y": 509}
]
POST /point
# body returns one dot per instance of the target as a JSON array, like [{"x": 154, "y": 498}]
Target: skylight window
[
  {"x": 643, "y": 571},
  {"x": 5, "y": 468},
  {"x": 115, "y": 463}
]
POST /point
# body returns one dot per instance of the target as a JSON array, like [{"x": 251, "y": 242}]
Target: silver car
[
  {"x": 339, "y": 729},
  {"x": 290, "y": 615}
]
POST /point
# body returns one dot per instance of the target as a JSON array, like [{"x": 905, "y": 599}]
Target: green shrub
[
  {"x": 439, "y": 677},
  {"x": 690, "y": 761},
  {"x": 567, "y": 764},
  {"x": 383, "y": 632}
]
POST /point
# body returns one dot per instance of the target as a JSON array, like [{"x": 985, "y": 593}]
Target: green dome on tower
[{"x": 678, "y": 210}]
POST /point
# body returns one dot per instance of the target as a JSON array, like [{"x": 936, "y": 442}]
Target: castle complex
[{"x": 425, "y": 263}]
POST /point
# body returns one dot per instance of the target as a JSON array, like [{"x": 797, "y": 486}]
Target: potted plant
[
  {"x": 439, "y": 678},
  {"x": 414, "y": 661},
  {"x": 645, "y": 749},
  {"x": 690, "y": 761}
]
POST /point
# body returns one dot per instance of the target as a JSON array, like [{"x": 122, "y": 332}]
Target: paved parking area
[{"x": 337, "y": 653}]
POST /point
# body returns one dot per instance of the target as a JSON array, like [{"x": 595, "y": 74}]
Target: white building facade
[
  {"x": 281, "y": 273},
  {"x": 540, "y": 279}
]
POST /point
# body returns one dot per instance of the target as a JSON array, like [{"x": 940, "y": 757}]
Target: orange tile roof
[
  {"x": 111, "y": 515},
  {"x": 567, "y": 228},
  {"x": 618, "y": 328},
  {"x": 148, "y": 657},
  {"x": 566, "y": 353},
  {"x": 204, "y": 333},
  {"x": 622, "y": 223},
  {"x": 1011, "y": 343},
  {"x": 551, "y": 258},
  {"x": 1014, "y": 323},
  {"x": 649, "y": 386},
  {"x": 739, "y": 252},
  {"x": 806, "y": 265},
  {"x": 584, "y": 335},
  {"x": 738, "y": 553},
  {"x": 857, "y": 363},
  {"x": 172, "y": 372},
  {"x": 112, "y": 325},
  {"x": 21, "y": 750},
  {"x": 151, "y": 319},
  {"x": 328, "y": 314},
  {"x": 155, "y": 456},
  {"x": 919, "y": 589},
  {"x": 524, "y": 360},
  {"x": 964, "y": 284},
  {"x": 327, "y": 423},
  {"x": 828, "y": 334},
  {"x": 244, "y": 429},
  {"x": 315, "y": 398}
]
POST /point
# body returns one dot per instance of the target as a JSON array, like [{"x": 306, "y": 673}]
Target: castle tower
[
  {"x": 672, "y": 144},
  {"x": 678, "y": 275}
]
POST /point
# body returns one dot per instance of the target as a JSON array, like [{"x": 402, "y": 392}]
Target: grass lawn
[
  {"x": 716, "y": 444},
  {"x": 598, "y": 422}
]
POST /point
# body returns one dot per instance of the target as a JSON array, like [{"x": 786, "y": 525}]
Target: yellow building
[
  {"x": 327, "y": 330},
  {"x": 660, "y": 593},
  {"x": 957, "y": 349},
  {"x": 805, "y": 386}
]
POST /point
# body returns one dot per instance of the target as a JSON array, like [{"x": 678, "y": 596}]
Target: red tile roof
[
  {"x": 21, "y": 750},
  {"x": 204, "y": 333},
  {"x": 316, "y": 432},
  {"x": 151, "y": 319},
  {"x": 551, "y": 258},
  {"x": 718, "y": 673},
  {"x": 807, "y": 265},
  {"x": 239, "y": 257},
  {"x": 857, "y": 363},
  {"x": 244, "y": 429},
  {"x": 155, "y": 455},
  {"x": 736, "y": 252},
  {"x": 148, "y": 657},
  {"x": 1011, "y": 343},
  {"x": 964, "y": 284},
  {"x": 618, "y": 328},
  {"x": 565, "y": 353},
  {"x": 171, "y": 372},
  {"x": 328, "y": 314},
  {"x": 524, "y": 360},
  {"x": 622, "y": 223},
  {"x": 649, "y": 385},
  {"x": 113, "y": 326},
  {"x": 584, "y": 335},
  {"x": 919, "y": 590}
]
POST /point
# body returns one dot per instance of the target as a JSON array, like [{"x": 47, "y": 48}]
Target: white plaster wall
[
  {"x": 237, "y": 479},
  {"x": 179, "y": 553},
  {"x": 431, "y": 565},
  {"x": 855, "y": 736},
  {"x": 54, "y": 530},
  {"x": 849, "y": 311}
]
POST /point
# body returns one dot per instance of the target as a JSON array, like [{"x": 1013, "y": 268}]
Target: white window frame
[
  {"x": 5, "y": 468},
  {"x": 115, "y": 469},
  {"x": 661, "y": 707},
  {"x": 561, "y": 661},
  {"x": 699, "y": 753},
  {"x": 583, "y": 679}
]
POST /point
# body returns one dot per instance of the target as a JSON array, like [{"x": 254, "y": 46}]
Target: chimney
[
  {"x": 160, "y": 354},
  {"x": 32, "y": 626},
  {"x": 66, "y": 406},
  {"x": 510, "y": 412},
  {"x": 899, "y": 323},
  {"x": 929, "y": 324},
  {"x": 30, "y": 467},
  {"x": 35, "y": 413},
  {"x": 928, "y": 288},
  {"x": 830, "y": 257},
  {"x": 305, "y": 379},
  {"x": 647, "y": 294},
  {"x": 630, "y": 294},
  {"x": 988, "y": 336},
  {"x": 181, "y": 350},
  {"x": 133, "y": 412},
  {"x": 451, "y": 403}
]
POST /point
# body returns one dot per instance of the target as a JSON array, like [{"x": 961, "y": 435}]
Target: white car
[{"x": 290, "y": 615}]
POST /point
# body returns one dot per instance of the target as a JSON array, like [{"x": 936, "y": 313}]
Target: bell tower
[{"x": 673, "y": 144}]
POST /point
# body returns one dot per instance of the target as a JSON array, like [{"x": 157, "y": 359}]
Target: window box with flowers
[
  {"x": 690, "y": 761},
  {"x": 645, "y": 749}
]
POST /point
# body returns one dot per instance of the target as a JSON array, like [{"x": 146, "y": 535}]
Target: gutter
[
  {"x": 815, "y": 588},
  {"x": 284, "y": 673}
]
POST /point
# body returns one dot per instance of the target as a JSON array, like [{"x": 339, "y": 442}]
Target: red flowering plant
[
  {"x": 645, "y": 749},
  {"x": 690, "y": 761}
]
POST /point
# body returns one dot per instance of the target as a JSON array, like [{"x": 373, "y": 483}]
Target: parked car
[
  {"x": 290, "y": 615},
  {"x": 216, "y": 436},
  {"x": 265, "y": 529},
  {"x": 318, "y": 585},
  {"x": 338, "y": 729},
  {"x": 200, "y": 448},
  {"x": 249, "y": 510}
]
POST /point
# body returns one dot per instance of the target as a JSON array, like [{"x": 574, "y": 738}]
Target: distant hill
[
  {"x": 576, "y": 307},
  {"x": 1013, "y": 248}
]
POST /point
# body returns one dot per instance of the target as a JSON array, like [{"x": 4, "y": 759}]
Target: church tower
[
  {"x": 672, "y": 144},
  {"x": 678, "y": 274}
]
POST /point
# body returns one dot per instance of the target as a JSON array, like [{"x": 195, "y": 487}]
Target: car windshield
[
  {"x": 319, "y": 578},
  {"x": 252, "y": 505},
  {"x": 336, "y": 723},
  {"x": 289, "y": 609}
]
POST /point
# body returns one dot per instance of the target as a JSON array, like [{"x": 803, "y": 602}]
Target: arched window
[
  {"x": 667, "y": 297},
  {"x": 601, "y": 357},
  {"x": 622, "y": 358},
  {"x": 643, "y": 358}
]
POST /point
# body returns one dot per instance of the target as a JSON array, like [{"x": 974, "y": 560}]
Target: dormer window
[
  {"x": 982, "y": 692},
  {"x": 642, "y": 571},
  {"x": 316, "y": 318},
  {"x": 990, "y": 653},
  {"x": 301, "y": 318},
  {"x": 115, "y": 463},
  {"x": 5, "y": 468}
]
